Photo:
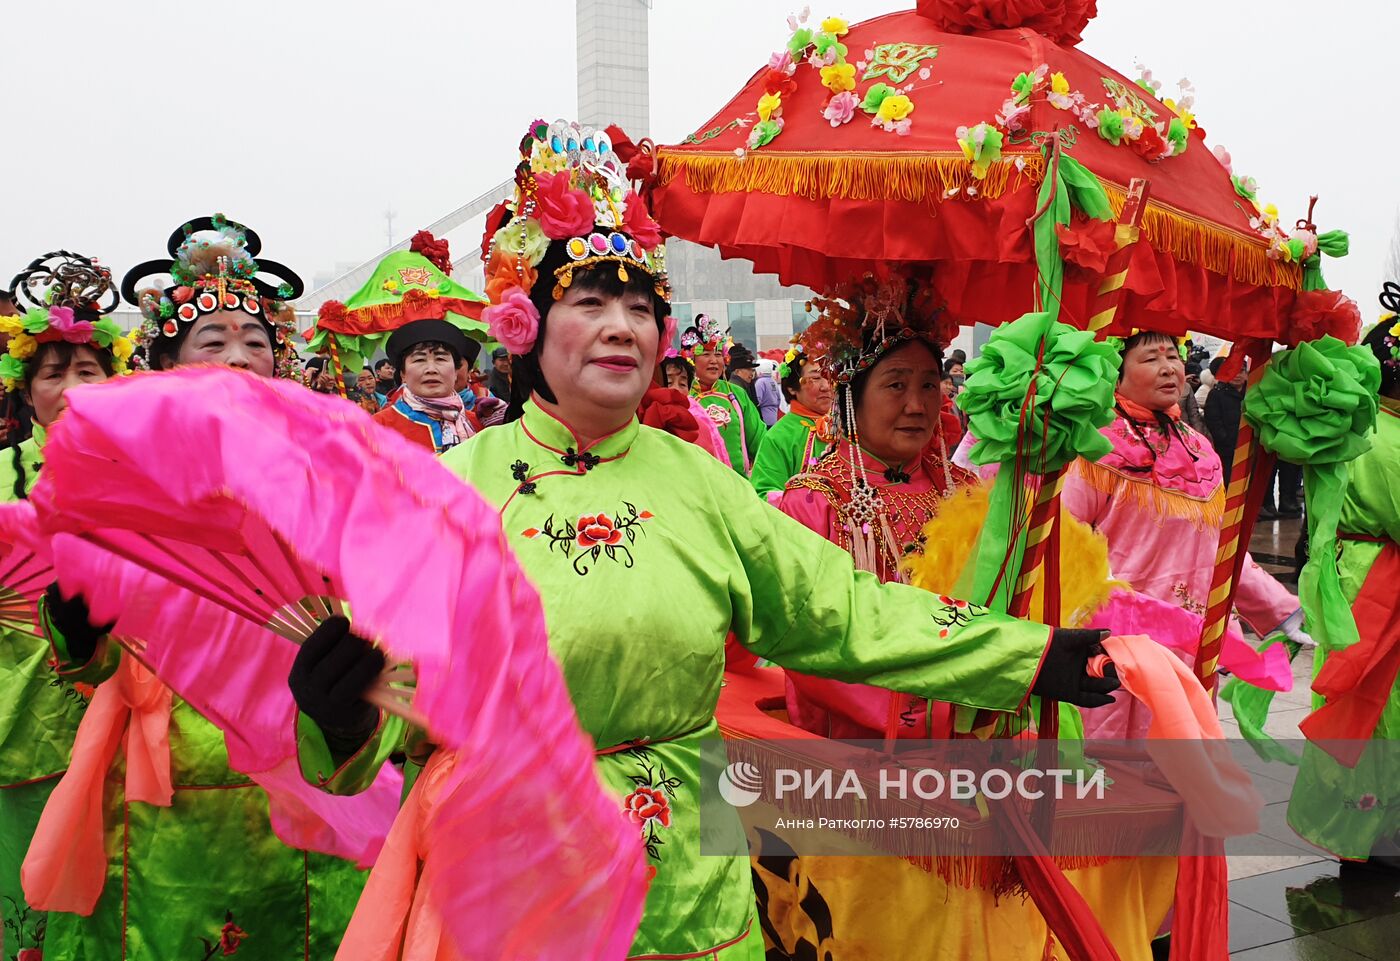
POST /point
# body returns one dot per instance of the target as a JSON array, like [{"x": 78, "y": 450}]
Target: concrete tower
[{"x": 613, "y": 83}]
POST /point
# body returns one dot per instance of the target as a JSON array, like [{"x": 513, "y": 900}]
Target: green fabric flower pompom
[
  {"x": 1316, "y": 404},
  {"x": 1111, "y": 126},
  {"x": 1073, "y": 394}
]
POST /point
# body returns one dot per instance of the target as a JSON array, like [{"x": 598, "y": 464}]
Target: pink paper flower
[
  {"x": 564, "y": 212},
  {"x": 781, "y": 60},
  {"x": 514, "y": 321},
  {"x": 840, "y": 108},
  {"x": 74, "y": 332},
  {"x": 1013, "y": 115}
]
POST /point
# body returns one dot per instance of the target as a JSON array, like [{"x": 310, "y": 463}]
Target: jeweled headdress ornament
[
  {"x": 861, "y": 321},
  {"x": 570, "y": 188},
  {"x": 68, "y": 297},
  {"x": 212, "y": 268},
  {"x": 706, "y": 337}
]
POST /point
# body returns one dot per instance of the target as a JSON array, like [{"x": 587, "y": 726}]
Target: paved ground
[{"x": 1303, "y": 907}]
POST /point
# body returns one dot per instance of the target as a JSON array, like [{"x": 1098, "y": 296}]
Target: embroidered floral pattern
[
  {"x": 649, "y": 804},
  {"x": 231, "y": 938},
  {"x": 719, "y": 414},
  {"x": 22, "y": 926},
  {"x": 1182, "y": 593},
  {"x": 594, "y": 536},
  {"x": 1365, "y": 803},
  {"x": 957, "y": 613}
]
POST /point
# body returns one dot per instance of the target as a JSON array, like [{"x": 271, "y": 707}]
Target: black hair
[
  {"x": 793, "y": 381},
  {"x": 1215, "y": 365},
  {"x": 949, "y": 364},
  {"x": 21, "y": 414},
  {"x": 860, "y": 381},
  {"x": 428, "y": 344},
  {"x": 381, "y": 363},
  {"x": 679, "y": 363},
  {"x": 1390, "y": 367},
  {"x": 525, "y": 374}
]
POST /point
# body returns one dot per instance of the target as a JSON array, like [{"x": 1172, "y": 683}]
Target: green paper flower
[
  {"x": 826, "y": 42},
  {"x": 35, "y": 321},
  {"x": 1244, "y": 187},
  {"x": 875, "y": 96},
  {"x": 1334, "y": 243},
  {"x": 1023, "y": 86},
  {"x": 1296, "y": 248},
  {"x": 1316, "y": 404},
  {"x": 764, "y": 132},
  {"x": 1111, "y": 125},
  {"x": 104, "y": 331},
  {"x": 1179, "y": 136},
  {"x": 801, "y": 40},
  {"x": 11, "y": 369},
  {"x": 1074, "y": 387}
]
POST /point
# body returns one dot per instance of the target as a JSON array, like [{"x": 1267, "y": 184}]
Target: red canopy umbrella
[{"x": 844, "y": 156}]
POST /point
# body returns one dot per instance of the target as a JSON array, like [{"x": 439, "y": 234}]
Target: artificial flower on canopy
[{"x": 925, "y": 136}]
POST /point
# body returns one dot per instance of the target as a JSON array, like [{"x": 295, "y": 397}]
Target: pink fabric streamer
[
  {"x": 1129, "y": 613},
  {"x": 214, "y": 461},
  {"x": 1219, "y": 796}
]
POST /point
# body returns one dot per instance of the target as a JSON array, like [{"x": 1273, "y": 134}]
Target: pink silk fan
[{"x": 220, "y": 517}]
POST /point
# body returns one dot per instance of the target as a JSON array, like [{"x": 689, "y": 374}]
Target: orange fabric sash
[
  {"x": 1357, "y": 681},
  {"x": 66, "y": 867},
  {"x": 393, "y": 919}
]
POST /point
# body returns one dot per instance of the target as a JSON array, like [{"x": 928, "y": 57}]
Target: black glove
[
  {"x": 328, "y": 679},
  {"x": 71, "y": 618},
  {"x": 1064, "y": 675}
]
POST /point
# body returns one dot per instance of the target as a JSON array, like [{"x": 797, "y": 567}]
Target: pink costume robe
[{"x": 1162, "y": 517}]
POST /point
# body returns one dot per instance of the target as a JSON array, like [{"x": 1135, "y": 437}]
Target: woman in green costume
[
  {"x": 738, "y": 420},
  {"x": 795, "y": 442},
  {"x": 48, "y": 351},
  {"x": 1354, "y": 812},
  {"x": 202, "y": 875},
  {"x": 616, "y": 523}
]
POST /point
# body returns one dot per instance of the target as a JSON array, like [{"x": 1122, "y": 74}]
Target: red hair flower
[
  {"x": 643, "y": 229},
  {"x": 564, "y": 211}
]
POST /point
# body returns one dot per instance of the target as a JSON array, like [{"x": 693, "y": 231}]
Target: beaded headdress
[
  {"x": 572, "y": 188},
  {"x": 69, "y": 296},
  {"x": 705, "y": 337},
  {"x": 212, "y": 268},
  {"x": 861, "y": 321}
]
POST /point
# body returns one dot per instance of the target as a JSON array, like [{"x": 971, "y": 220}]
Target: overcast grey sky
[{"x": 308, "y": 119}]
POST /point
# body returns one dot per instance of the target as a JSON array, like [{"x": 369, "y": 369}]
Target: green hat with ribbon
[{"x": 407, "y": 286}]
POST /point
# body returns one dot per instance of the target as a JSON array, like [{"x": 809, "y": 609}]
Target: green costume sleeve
[
  {"x": 777, "y": 459},
  {"x": 805, "y": 606}
]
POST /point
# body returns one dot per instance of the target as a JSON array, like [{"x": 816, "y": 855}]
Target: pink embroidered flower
[
  {"x": 564, "y": 212},
  {"x": 74, "y": 332},
  {"x": 719, "y": 414},
  {"x": 597, "y": 531},
  {"x": 643, "y": 229},
  {"x": 30, "y": 954},
  {"x": 514, "y": 321},
  {"x": 1366, "y": 802},
  {"x": 840, "y": 108},
  {"x": 648, "y": 804}
]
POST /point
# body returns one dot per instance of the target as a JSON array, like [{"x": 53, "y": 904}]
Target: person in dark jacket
[{"x": 1222, "y": 413}]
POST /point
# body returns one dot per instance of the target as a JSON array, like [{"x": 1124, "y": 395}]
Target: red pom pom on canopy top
[
  {"x": 435, "y": 250},
  {"x": 1063, "y": 21}
]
